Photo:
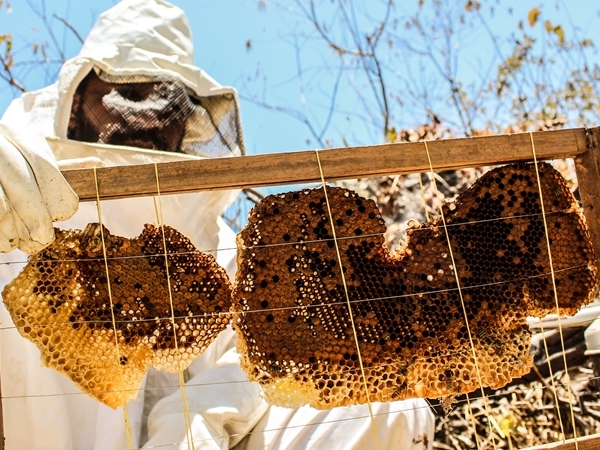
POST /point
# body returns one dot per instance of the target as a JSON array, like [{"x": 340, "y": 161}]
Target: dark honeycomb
[
  {"x": 60, "y": 302},
  {"x": 409, "y": 319}
]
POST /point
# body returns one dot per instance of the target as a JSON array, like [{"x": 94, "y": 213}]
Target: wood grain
[
  {"x": 341, "y": 163},
  {"x": 583, "y": 443},
  {"x": 359, "y": 162}
]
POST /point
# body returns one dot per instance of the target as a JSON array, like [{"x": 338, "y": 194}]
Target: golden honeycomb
[
  {"x": 291, "y": 314},
  {"x": 60, "y": 302}
]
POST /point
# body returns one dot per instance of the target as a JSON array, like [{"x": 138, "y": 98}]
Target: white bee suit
[{"x": 44, "y": 410}]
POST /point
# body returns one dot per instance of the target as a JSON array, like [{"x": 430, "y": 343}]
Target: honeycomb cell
[
  {"x": 406, "y": 305},
  {"x": 61, "y": 303}
]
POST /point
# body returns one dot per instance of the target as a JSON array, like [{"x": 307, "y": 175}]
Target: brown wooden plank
[
  {"x": 357, "y": 162},
  {"x": 342, "y": 163},
  {"x": 583, "y": 443},
  {"x": 587, "y": 167}
]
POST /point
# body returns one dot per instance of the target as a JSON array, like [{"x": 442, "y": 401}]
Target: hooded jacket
[{"x": 43, "y": 410}]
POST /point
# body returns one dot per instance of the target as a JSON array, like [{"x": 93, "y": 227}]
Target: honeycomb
[
  {"x": 60, "y": 302},
  {"x": 291, "y": 314}
]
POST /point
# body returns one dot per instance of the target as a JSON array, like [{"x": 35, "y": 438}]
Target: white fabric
[
  {"x": 148, "y": 38},
  {"x": 403, "y": 425},
  {"x": 136, "y": 37},
  {"x": 51, "y": 420},
  {"x": 232, "y": 405},
  {"x": 43, "y": 410},
  {"x": 33, "y": 193},
  {"x": 585, "y": 316},
  {"x": 110, "y": 155},
  {"x": 592, "y": 338},
  {"x": 90, "y": 162}
]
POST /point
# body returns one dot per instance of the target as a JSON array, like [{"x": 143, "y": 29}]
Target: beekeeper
[{"x": 134, "y": 86}]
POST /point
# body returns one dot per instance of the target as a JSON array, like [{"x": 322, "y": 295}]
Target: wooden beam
[
  {"x": 583, "y": 443},
  {"x": 587, "y": 167},
  {"x": 359, "y": 162},
  {"x": 341, "y": 163}
]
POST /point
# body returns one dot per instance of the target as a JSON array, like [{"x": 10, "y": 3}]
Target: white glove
[{"x": 33, "y": 192}]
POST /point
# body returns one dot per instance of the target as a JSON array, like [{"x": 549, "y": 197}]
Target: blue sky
[{"x": 269, "y": 69}]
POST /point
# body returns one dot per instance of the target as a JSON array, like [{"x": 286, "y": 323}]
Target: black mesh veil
[{"x": 154, "y": 113}]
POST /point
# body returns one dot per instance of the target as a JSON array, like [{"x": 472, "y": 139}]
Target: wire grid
[{"x": 351, "y": 301}]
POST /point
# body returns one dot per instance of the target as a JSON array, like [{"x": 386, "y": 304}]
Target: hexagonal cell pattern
[
  {"x": 60, "y": 302},
  {"x": 291, "y": 313}
]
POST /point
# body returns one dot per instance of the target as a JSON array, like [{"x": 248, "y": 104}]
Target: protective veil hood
[
  {"x": 144, "y": 39},
  {"x": 42, "y": 408}
]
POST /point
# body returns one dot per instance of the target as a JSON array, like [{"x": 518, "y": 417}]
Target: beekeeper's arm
[
  {"x": 223, "y": 407},
  {"x": 33, "y": 192}
]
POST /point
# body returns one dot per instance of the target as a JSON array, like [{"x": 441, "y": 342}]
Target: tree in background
[
  {"x": 42, "y": 50},
  {"x": 385, "y": 67},
  {"x": 373, "y": 71},
  {"x": 385, "y": 72}
]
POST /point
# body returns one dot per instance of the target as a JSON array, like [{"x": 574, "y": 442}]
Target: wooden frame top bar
[
  {"x": 591, "y": 442},
  {"x": 340, "y": 163},
  {"x": 359, "y": 162}
]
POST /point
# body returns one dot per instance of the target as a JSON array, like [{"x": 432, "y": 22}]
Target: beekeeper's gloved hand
[{"x": 33, "y": 192}]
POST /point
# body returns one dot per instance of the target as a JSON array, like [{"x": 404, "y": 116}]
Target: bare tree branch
[
  {"x": 44, "y": 17},
  {"x": 9, "y": 78},
  {"x": 70, "y": 27},
  {"x": 289, "y": 112}
]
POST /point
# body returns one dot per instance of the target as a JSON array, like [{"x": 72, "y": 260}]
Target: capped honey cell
[
  {"x": 70, "y": 304},
  {"x": 415, "y": 324}
]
